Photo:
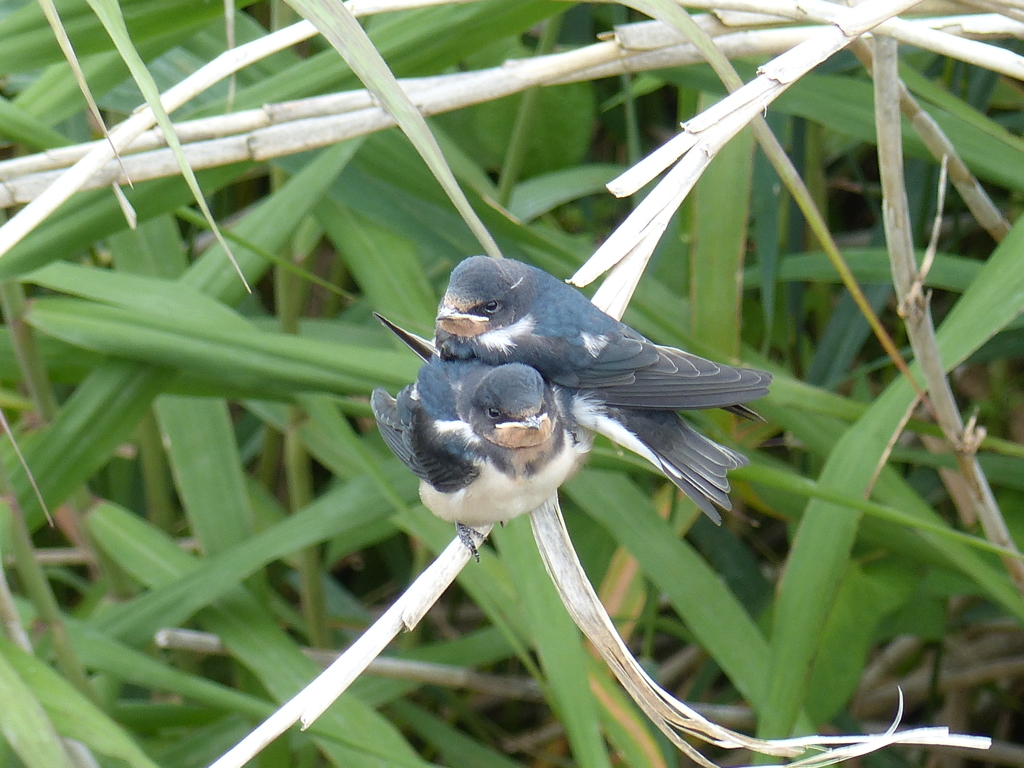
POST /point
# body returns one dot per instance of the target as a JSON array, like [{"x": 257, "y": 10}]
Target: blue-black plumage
[
  {"x": 502, "y": 311},
  {"x": 488, "y": 443},
  {"x": 620, "y": 384}
]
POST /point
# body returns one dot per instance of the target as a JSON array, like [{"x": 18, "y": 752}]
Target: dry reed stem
[
  {"x": 311, "y": 702},
  {"x": 424, "y": 672},
  {"x": 973, "y": 194},
  {"x": 278, "y": 130},
  {"x": 914, "y": 305},
  {"x": 40, "y": 208},
  {"x": 704, "y": 135}
]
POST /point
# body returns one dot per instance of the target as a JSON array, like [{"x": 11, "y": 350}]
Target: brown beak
[
  {"x": 528, "y": 433},
  {"x": 461, "y": 324}
]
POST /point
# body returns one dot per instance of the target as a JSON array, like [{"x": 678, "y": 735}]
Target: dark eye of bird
[
  {"x": 491, "y": 307},
  {"x": 493, "y": 413}
]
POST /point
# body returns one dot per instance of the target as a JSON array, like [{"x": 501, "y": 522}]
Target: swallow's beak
[
  {"x": 460, "y": 323},
  {"x": 526, "y": 433}
]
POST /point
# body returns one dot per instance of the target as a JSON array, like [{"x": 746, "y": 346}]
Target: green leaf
[
  {"x": 558, "y": 642},
  {"x": 252, "y": 636},
  {"x": 200, "y": 441},
  {"x": 721, "y": 209},
  {"x": 109, "y": 12},
  {"x": 340, "y": 27},
  {"x": 74, "y": 716},
  {"x": 279, "y": 363},
  {"x": 821, "y": 548},
  {"x": 866, "y": 595},
  {"x": 714, "y": 615},
  {"x": 387, "y": 267},
  {"x": 540, "y": 194},
  {"x": 19, "y": 126},
  {"x": 24, "y": 722},
  {"x": 342, "y": 511}
]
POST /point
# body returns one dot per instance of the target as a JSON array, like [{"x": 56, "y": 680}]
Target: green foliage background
[{"x": 211, "y": 462}]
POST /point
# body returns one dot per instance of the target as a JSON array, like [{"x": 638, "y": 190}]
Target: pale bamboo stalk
[
  {"x": 406, "y": 612},
  {"x": 22, "y": 180},
  {"x": 1013, "y": 4},
  {"x": 37, "y": 211},
  {"x": 704, "y": 135},
  {"x": 1010, "y": 13},
  {"x": 914, "y": 305},
  {"x": 308, "y": 128},
  {"x": 774, "y": 77},
  {"x": 646, "y": 35}
]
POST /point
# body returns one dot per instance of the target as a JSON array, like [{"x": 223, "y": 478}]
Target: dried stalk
[
  {"x": 311, "y": 702},
  {"x": 278, "y": 130},
  {"x": 37, "y": 211},
  {"x": 914, "y": 306},
  {"x": 674, "y": 718},
  {"x": 704, "y": 135},
  {"x": 427, "y": 673},
  {"x": 973, "y": 194},
  {"x": 291, "y": 127}
]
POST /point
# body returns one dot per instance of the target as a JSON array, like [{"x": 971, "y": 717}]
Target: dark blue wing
[
  {"x": 632, "y": 372},
  {"x": 393, "y": 430},
  {"x": 440, "y": 459}
]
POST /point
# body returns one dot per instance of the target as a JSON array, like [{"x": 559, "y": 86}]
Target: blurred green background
[{"x": 211, "y": 463}]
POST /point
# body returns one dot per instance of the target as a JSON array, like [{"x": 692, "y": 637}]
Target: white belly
[{"x": 495, "y": 497}]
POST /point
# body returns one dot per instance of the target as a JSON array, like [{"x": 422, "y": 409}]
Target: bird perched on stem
[
  {"x": 488, "y": 443},
  {"x": 625, "y": 386}
]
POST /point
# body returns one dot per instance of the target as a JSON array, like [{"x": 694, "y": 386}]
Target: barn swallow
[
  {"x": 502, "y": 311},
  {"x": 695, "y": 464},
  {"x": 488, "y": 443}
]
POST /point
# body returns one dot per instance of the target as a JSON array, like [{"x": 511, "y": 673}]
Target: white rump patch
[
  {"x": 504, "y": 339},
  {"x": 594, "y": 344},
  {"x": 592, "y": 416}
]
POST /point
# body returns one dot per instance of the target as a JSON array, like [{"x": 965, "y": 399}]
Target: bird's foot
[{"x": 467, "y": 536}]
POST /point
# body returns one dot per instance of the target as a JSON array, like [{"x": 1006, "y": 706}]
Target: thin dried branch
[
  {"x": 914, "y": 305},
  {"x": 921, "y": 683},
  {"x": 425, "y": 672},
  {"x": 291, "y": 127},
  {"x": 973, "y": 194},
  {"x": 311, "y": 702},
  {"x": 229, "y": 62}
]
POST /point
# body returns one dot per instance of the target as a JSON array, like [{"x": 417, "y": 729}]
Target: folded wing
[
  {"x": 440, "y": 460},
  {"x": 633, "y": 372}
]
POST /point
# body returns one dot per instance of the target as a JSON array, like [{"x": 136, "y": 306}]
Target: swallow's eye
[
  {"x": 491, "y": 307},
  {"x": 493, "y": 413}
]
